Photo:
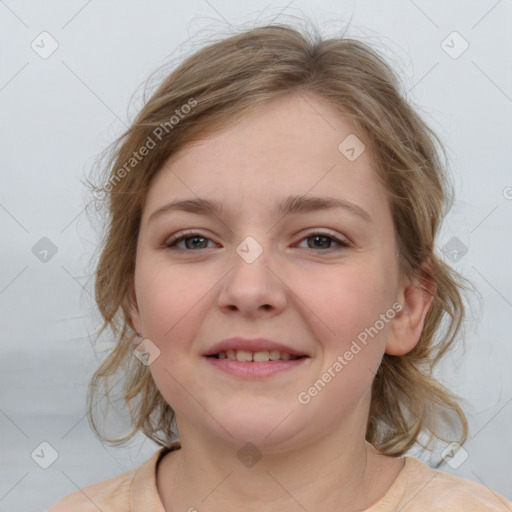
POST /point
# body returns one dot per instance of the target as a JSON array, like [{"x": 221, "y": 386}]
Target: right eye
[{"x": 185, "y": 236}]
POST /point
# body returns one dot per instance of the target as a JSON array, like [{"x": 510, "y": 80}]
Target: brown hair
[{"x": 222, "y": 82}]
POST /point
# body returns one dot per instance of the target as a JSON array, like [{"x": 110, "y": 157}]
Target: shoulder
[
  {"x": 107, "y": 496},
  {"x": 115, "y": 494},
  {"x": 434, "y": 490}
]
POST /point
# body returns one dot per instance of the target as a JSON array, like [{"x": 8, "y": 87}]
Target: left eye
[{"x": 320, "y": 239}]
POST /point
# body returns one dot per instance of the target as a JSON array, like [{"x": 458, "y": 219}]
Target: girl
[{"x": 270, "y": 274}]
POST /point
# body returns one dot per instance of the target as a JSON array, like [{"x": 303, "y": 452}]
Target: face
[{"x": 315, "y": 280}]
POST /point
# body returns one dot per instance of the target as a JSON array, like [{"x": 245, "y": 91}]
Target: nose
[{"x": 252, "y": 286}]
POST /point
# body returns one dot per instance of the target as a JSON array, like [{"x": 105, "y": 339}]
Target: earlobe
[{"x": 407, "y": 326}]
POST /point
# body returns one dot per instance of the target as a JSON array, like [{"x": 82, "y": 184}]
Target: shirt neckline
[{"x": 145, "y": 495}]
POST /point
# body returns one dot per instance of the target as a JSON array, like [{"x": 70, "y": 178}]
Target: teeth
[
  {"x": 262, "y": 356},
  {"x": 274, "y": 355},
  {"x": 243, "y": 355}
]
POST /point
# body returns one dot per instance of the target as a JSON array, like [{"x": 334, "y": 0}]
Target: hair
[{"x": 214, "y": 88}]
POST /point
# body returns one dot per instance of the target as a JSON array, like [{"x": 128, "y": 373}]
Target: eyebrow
[{"x": 291, "y": 205}]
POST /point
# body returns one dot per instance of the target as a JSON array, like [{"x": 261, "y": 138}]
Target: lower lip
[{"x": 251, "y": 370}]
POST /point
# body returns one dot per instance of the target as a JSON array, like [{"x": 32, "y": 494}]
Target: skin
[{"x": 317, "y": 298}]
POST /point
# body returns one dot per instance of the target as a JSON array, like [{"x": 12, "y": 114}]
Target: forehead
[{"x": 294, "y": 145}]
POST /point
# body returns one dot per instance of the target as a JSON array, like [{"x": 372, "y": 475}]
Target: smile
[
  {"x": 250, "y": 365},
  {"x": 257, "y": 357}
]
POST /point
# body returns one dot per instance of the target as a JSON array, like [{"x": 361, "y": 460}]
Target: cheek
[
  {"x": 167, "y": 297},
  {"x": 170, "y": 305},
  {"x": 350, "y": 298},
  {"x": 353, "y": 341}
]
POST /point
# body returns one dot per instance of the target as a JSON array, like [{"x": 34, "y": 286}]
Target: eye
[
  {"x": 198, "y": 241},
  {"x": 321, "y": 239},
  {"x": 185, "y": 236}
]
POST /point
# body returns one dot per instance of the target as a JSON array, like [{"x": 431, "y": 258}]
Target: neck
[{"x": 325, "y": 474}]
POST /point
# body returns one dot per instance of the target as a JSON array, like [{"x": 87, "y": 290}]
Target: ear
[
  {"x": 415, "y": 296},
  {"x": 131, "y": 299}
]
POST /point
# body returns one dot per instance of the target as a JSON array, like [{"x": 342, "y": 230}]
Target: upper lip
[{"x": 252, "y": 345}]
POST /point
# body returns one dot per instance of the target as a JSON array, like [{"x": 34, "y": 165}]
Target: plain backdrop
[{"x": 60, "y": 110}]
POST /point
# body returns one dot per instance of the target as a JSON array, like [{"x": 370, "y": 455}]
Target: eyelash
[{"x": 173, "y": 241}]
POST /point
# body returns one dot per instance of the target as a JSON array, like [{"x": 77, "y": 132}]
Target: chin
[{"x": 264, "y": 427}]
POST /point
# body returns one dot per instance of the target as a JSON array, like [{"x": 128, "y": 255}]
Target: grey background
[{"x": 58, "y": 113}]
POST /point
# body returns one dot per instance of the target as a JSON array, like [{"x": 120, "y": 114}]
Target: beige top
[{"x": 418, "y": 488}]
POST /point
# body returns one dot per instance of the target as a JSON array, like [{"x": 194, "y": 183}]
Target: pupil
[
  {"x": 194, "y": 238},
  {"x": 320, "y": 237}
]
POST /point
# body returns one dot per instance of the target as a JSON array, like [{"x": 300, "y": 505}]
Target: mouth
[
  {"x": 249, "y": 365},
  {"x": 254, "y": 358},
  {"x": 261, "y": 356}
]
